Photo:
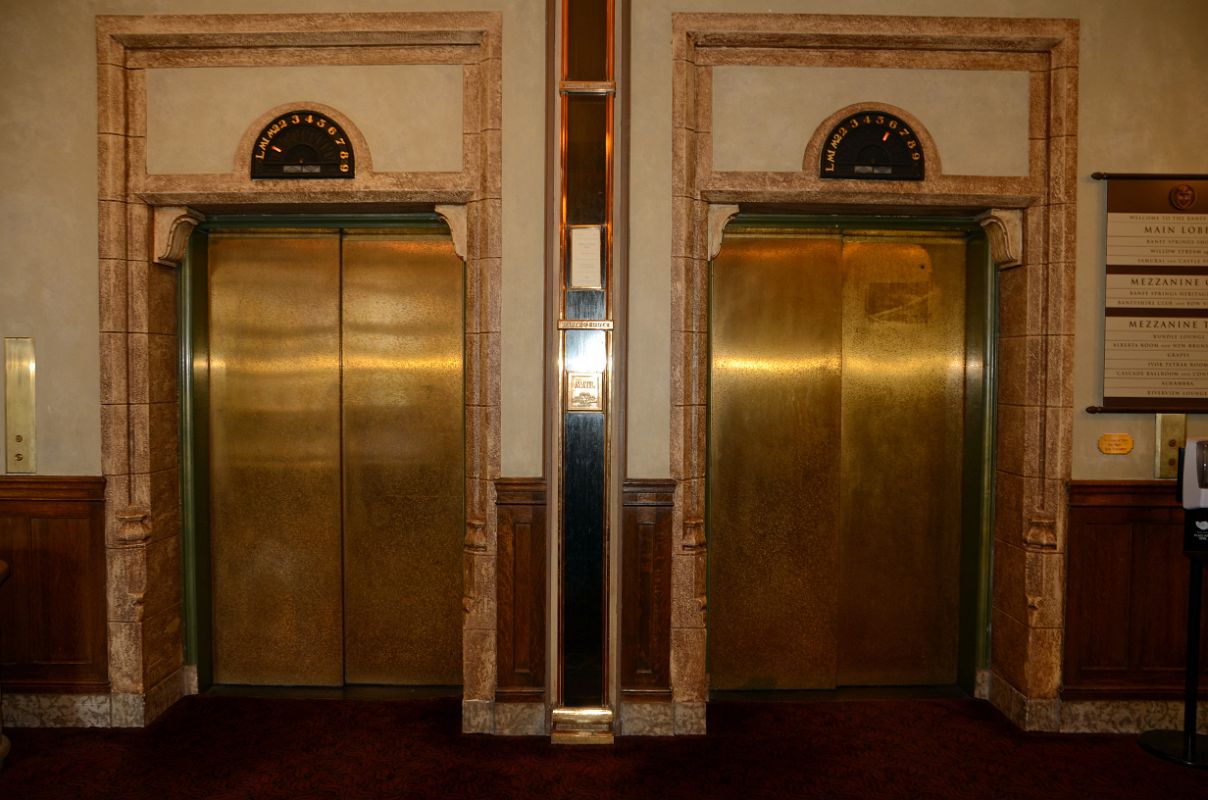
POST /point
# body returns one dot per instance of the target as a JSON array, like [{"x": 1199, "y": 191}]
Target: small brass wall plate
[
  {"x": 20, "y": 451},
  {"x": 1115, "y": 444},
  {"x": 584, "y": 391},
  {"x": 1170, "y": 433}
]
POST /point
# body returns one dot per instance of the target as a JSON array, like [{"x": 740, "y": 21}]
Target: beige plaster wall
[
  {"x": 410, "y": 116},
  {"x": 48, "y": 254},
  {"x": 1141, "y": 96},
  {"x": 48, "y": 217},
  {"x": 791, "y": 102}
]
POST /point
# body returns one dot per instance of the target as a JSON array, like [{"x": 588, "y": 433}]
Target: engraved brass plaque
[
  {"x": 584, "y": 391},
  {"x": 1115, "y": 444}
]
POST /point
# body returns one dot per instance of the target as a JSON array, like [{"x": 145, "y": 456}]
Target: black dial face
[
  {"x": 872, "y": 145},
  {"x": 302, "y": 144}
]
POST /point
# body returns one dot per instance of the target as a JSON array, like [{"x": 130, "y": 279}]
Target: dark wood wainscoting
[
  {"x": 646, "y": 589},
  {"x": 52, "y": 609},
  {"x": 1126, "y": 593},
  {"x": 520, "y": 593}
]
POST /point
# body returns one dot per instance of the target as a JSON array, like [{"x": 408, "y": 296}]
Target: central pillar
[{"x": 582, "y": 437}]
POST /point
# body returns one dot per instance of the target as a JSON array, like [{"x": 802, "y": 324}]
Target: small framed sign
[{"x": 586, "y": 249}]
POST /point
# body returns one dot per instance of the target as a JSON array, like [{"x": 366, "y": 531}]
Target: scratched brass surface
[
  {"x": 902, "y": 447},
  {"x": 403, "y": 459},
  {"x": 836, "y": 401},
  {"x": 275, "y": 458},
  {"x": 337, "y": 457},
  {"x": 773, "y": 477}
]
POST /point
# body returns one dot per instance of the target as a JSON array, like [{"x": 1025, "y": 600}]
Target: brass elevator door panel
[
  {"x": 836, "y": 407},
  {"x": 901, "y": 452},
  {"x": 773, "y": 462},
  {"x": 403, "y": 459},
  {"x": 275, "y": 459},
  {"x": 336, "y": 456}
]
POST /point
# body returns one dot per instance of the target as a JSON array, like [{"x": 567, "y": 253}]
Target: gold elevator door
[
  {"x": 336, "y": 457},
  {"x": 836, "y": 409}
]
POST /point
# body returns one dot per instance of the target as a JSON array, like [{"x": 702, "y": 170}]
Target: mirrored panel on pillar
[{"x": 585, "y": 101}]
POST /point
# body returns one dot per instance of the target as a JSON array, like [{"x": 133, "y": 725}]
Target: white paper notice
[{"x": 585, "y": 265}]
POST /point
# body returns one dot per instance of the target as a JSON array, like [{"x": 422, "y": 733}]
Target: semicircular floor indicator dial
[
  {"x": 872, "y": 145},
  {"x": 302, "y": 144}
]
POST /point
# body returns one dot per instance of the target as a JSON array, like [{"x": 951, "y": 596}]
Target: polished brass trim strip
[
  {"x": 581, "y": 737},
  {"x": 585, "y": 715},
  {"x": 587, "y": 87},
  {"x": 587, "y": 725},
  {"x": 585, "y": 325}
]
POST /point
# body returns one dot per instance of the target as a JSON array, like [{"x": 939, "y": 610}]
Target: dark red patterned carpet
[{"x": 233, "y": 747}]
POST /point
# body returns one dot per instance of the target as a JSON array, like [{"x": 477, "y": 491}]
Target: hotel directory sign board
[{"x": 1155, "y": 331}]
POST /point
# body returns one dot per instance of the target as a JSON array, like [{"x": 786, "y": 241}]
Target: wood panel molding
[
  {"x": 646, "y": 511},
  {"x": 52, "y": 608},
  {"x": 1126, "y": 587},
  {"x": 519, "y": 491},
  {"x": 520, "y": 505},
  {"x": 1122, "y": 494},
  {"x": 52, "y": 487}
]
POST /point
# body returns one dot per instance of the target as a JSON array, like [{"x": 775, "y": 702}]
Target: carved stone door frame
[
  {"x": 144, "y": 225},
  {"x": 1030, "y": 221}
]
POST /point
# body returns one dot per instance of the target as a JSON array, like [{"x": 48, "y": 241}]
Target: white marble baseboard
[
  {"x": 1127, "y": 716},
  {"x": 114, "y": 710},
  {"x": 61, "y": 710},
  {"x": 647, "y": 719},
  {"x": 521, "y": 719}
]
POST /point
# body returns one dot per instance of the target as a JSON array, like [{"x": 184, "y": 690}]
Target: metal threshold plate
[{"x": 582, "y": 726}]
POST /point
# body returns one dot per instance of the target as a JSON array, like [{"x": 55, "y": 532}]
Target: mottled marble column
[{"x": 4, "y": 743}]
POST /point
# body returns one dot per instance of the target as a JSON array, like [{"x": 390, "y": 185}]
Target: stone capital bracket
[
  {"x": 693, "y": 537},
  {"x": 172, "y": 227},
  {"x": 719, "y": 215},
  {"x": 455, "y": 217},
  {"x": 476, "y": 537},
  {"x": 1004, "y": 229},
  {"x": 134, "y": 525},
  {"x": 1041, "y": 533}
]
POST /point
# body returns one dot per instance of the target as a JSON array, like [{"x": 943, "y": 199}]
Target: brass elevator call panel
[{"x": 20, "y": 453}]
